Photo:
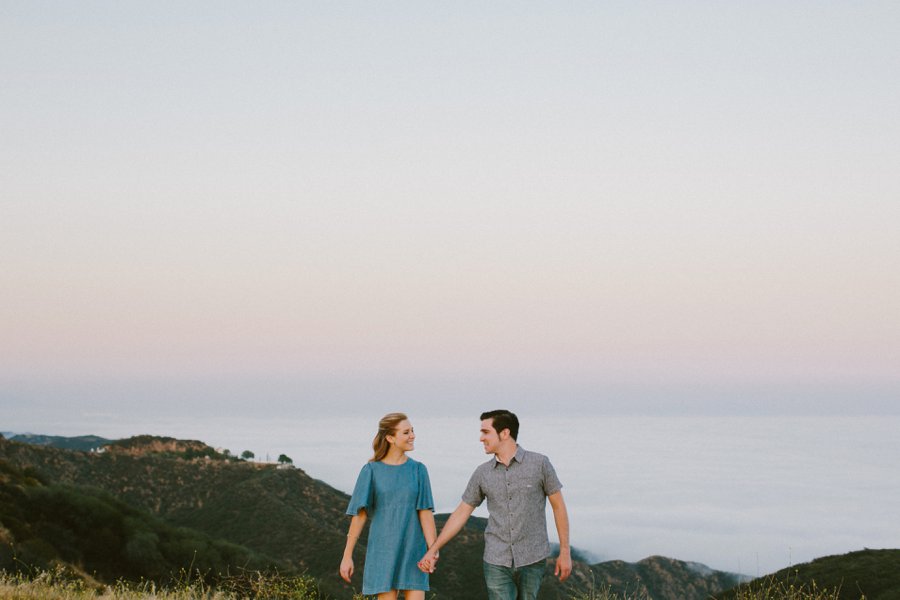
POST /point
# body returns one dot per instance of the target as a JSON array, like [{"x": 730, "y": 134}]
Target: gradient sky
[{"x": 679, "y": 193}]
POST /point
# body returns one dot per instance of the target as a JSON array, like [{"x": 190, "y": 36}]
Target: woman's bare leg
[{"x": 407, "y": 595}]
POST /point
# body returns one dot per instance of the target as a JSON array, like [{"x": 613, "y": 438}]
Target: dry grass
[
  {"x": 772, "y": 590},
  {"x": 60, "y": 585}
]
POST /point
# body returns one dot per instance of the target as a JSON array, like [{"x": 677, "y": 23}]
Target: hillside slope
[
  {"x": 275, "y": 512},
  {"x": 42, "y": 525},
  {"x": 872, "y": 574}
]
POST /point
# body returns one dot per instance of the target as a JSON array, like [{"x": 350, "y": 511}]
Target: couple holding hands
[{"x": 394, "y": 491}]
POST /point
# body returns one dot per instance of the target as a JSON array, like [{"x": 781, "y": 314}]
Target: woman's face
[{"x": 404, "y": 437}]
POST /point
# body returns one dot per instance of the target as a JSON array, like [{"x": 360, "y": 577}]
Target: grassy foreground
[
  {"x": 781, "y": 591},
  {"x": 57, "y": 585},
  {"x": 761, "y": 590}
]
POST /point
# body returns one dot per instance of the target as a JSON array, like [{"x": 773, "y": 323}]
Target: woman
[{"x": 395, "y": 492}]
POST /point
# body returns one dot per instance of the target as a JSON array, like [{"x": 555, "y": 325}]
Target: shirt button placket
[{"x": 512, "y": 545}]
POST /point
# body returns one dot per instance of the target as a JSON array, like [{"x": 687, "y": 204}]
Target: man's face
[{"x": 489, "y": 437}]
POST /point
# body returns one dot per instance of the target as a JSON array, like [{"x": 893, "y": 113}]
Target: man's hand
[
  {"x": 563, "y": 565},
  {"x": 428, "y": 562}
]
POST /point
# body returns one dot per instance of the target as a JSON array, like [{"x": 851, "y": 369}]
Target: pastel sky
[{"x": 679, "y": 193}]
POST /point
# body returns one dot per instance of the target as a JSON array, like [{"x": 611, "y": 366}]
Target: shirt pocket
[{"x": 528, "y": 490}]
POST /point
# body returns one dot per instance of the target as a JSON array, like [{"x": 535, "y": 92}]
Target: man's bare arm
[
  {"x": 561, "y": 517},
  {"x": 454, "y": 525}
]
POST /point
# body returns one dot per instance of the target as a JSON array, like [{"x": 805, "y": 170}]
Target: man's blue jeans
[{"x": 513, "y": 583}]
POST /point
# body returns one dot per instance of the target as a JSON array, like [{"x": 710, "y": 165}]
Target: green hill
[
  {"x": 48, "y": 524},
  {"x": 272, "y": 511},
  {"x": 869, "y": 574}
]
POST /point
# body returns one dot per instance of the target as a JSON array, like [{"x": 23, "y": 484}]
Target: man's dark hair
[{"x": 503, "y": 419}]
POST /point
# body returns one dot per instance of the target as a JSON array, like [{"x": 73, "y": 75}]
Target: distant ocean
[{"x": 749, "y": 494}]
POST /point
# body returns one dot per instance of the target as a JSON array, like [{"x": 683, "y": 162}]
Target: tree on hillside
[
  {"x": 284, "y": 459},
  {"x": 247, "y": 455}
]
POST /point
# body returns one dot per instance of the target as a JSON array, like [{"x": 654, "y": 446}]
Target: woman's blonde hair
[{"x": 386, "y": 426}]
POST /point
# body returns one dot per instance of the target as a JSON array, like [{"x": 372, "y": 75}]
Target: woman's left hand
[{"x": 347, "y": 569}]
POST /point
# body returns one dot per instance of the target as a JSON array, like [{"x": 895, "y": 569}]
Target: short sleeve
[
  {"x": 551, "y": 481},
  {"x": 424, "y": 499},
  {"x": 474, "y": 495},
  {"x": 364, "y": 491}
]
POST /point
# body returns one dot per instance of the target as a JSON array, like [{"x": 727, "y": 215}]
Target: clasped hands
[{"x": 429, "y": 561}]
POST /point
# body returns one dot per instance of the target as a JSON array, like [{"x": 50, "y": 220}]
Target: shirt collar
[{"x": 519, "y": 456}]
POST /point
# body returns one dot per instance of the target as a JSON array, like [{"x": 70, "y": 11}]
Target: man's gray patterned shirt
[{"x": 516, "y": 533}]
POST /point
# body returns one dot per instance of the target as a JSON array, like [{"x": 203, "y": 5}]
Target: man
[{"x": 516, "y": 484}]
